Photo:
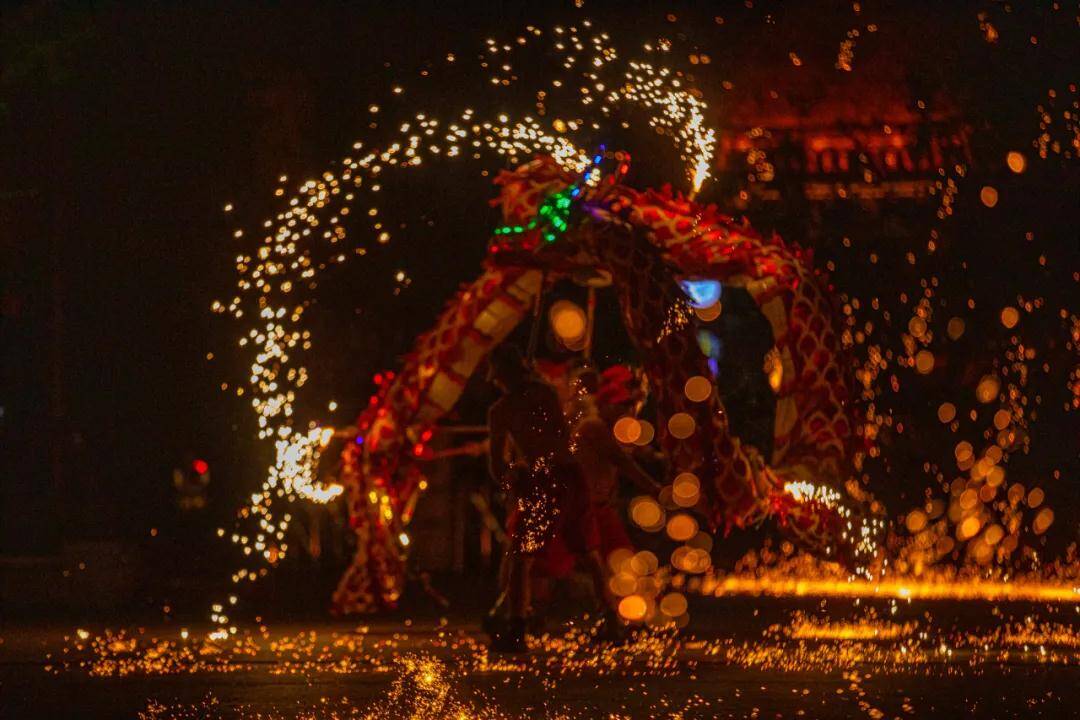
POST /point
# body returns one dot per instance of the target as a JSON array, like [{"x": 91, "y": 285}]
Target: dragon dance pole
[
  {"x": 534, "y": 332},
  {"x": 590, "y": 320}
]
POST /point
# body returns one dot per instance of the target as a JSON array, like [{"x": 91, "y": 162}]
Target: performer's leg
[
  {"x": 511, "y": 638},
  {"x": 494, "y": 622},
  {"x": 514, "y": 572},
  {"x": 612, "y": 536},
  {"x": 519, "y": 585},
  {"x": 594, "y": 566}
]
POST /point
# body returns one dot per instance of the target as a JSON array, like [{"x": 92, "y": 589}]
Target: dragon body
[{"x": 647, "y": 241}]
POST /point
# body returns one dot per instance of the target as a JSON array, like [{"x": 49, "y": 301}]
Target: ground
[{"x": 738, "y": 658}]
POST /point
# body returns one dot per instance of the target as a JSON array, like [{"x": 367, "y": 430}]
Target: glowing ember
[{"x": 899, "y": 589}]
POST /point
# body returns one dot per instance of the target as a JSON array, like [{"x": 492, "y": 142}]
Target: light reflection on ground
[{"x": 794, "y": 658}]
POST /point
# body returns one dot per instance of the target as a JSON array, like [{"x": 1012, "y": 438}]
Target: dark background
[{"x": 125, "y": 128}]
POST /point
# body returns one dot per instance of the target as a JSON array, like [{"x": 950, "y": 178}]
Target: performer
[
  {"x": 548, "y": 495},
  {"x": 603, "y": 461}
]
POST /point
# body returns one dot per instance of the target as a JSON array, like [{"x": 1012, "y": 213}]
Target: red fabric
[
  {"x": 597, "y": 527},
  {"x": 612, "y": 530},
  {"x": 574, "y": 530},
  {"x": 615, "y": 385}
]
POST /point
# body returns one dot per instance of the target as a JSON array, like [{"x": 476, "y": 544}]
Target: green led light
[{"x": 553, "y": 215}]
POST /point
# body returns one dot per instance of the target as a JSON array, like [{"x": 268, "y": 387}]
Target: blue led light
[{"x": 702, "y": 293}]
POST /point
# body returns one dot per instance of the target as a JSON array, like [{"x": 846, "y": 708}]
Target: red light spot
[{"x": 200, "y": 466}]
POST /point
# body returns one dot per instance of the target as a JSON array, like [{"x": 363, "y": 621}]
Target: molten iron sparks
[{"x": 913, "y": 589}]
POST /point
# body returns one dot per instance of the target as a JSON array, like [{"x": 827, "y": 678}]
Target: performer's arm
[{"x": 642, "y": 480}]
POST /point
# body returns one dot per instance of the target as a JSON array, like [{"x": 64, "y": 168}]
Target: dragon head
[{"x": 545, "y": 209}]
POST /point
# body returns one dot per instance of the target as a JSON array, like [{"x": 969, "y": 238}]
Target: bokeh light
[
  {"x": 1016, "y": 161},
  {"x": 568, "y": 321},
  {"x": 681, "y": 527},
  {"x": 698, "y": 388},
  {"x": 627, "y": 429},
  {"x": 633, "y": 608},
  {"x": 681, "y": 425},
  {"x": 646, "y": 434}
]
